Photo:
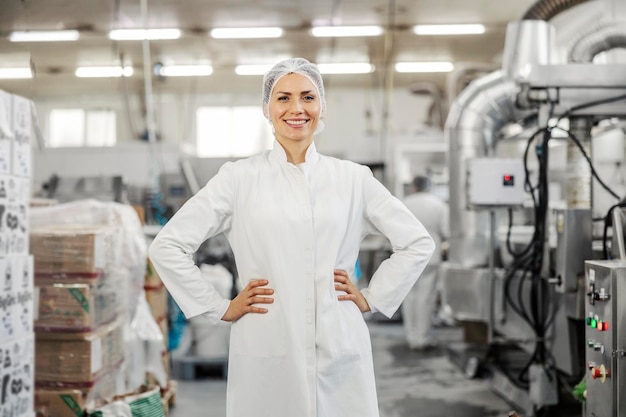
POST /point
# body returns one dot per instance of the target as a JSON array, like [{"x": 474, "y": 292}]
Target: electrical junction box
[{"x": 496, "y": 182}]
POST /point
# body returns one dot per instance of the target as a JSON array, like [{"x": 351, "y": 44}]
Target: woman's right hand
[{"x": 244, "y": 302}]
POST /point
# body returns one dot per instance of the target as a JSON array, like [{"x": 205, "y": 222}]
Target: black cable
[
  {"x": 594, "y": 103},
  {"x": 593, "y": 170},
  {"x": 527, "y": 263}
]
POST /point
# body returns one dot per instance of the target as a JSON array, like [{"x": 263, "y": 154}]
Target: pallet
[
  {"x": 168, "y": 396},
  {"x": 185, "y": 367}
]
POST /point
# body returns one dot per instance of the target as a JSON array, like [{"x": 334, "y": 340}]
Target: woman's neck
[{"x": 296, "y": 151}]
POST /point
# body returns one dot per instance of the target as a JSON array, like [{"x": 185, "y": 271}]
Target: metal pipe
[
  {"x": 527, "y": 43},
  {"x": 472, "y": 129},
  {"x": 578, "y": 184},
  {"x": 597, "y": 40},
  {"x": 547, "y": 9}
]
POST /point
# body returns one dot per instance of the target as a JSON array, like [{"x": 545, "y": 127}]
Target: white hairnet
[{"x": 290, "y": 66}]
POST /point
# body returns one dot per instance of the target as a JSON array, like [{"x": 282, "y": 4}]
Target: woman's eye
[
  {"x": 309, "y": 98},
  {"x": 283, "y": 98}
]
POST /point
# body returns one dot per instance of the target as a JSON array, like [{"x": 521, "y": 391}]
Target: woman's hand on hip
[
  {"x": 344, "y": 283},
  {"x": 245, "y": 301}
]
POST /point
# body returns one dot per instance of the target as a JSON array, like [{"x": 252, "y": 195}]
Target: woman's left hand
[{"x": 344, "y": 283}]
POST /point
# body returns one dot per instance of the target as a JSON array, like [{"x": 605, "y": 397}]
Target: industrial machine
[
  {"x": 517, "y": 250},
  {"x": 605, "y": 334}
]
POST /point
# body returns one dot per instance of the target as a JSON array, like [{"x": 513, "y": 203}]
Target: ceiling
[{"x": 54, "y": 63}]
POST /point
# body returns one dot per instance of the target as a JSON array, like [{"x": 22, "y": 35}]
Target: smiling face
[{"x": 294, "y": 110}]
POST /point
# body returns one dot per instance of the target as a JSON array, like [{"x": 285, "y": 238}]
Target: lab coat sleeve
[
  {"x": 204, "y": 215},
  {"x": 411, "y": 244}
]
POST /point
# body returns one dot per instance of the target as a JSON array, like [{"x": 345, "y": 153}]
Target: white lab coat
[{"x": 310, "y": 355}]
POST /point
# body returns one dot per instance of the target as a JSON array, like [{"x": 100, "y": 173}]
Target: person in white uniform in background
[
  {"x": 295, "y": 219},
  {"x": 420, "y": 304}
]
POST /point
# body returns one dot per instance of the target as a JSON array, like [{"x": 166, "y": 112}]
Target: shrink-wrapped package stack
[
  {"x": 95, "y": 336},
  {"x": 16, "y": 266},
  {"x": 81, "y": 312}
]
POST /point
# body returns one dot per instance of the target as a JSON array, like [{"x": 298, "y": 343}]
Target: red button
[{"x": 595, "y": 373}]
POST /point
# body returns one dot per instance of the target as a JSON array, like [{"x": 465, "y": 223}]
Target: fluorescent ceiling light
[
  {"x": 349, "y": 68},
  {"x": 469, "y": 29},
  {"x": 186, "y": 70},
  {"x": 424, "y": 67},
  {"x": 260, "y": 69},
  {"x": 141, "y": 34},
  {"x": 44, "y": 36},
  {"x": 343, "y": 31},
  {"x": 103, "y": 72},
  {"x": 16, "y": 73},
  {"x": 246, "y": 33}
]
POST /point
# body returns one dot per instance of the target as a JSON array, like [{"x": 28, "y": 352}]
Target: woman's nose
[{"x": 296, "y": 106}]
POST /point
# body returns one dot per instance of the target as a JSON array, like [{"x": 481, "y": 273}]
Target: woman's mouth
[{"x": 298, "y": 122}]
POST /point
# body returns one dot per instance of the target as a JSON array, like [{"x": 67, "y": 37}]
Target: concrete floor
[{"x": 410, "y": 384}]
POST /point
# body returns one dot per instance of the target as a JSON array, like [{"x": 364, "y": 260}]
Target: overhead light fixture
[
  {"x": 424, "y": 67},
  {"x": 259, "y": 69},
  {"x": 142, "y": 34},
  {"x": 44, "y": 36},
  {"x": 346, "y": 68},
  {"x": 246, "y": 33},
  {"x": 464, "y": 29},
  {"x": 16, "y": 73},
  {"x": 103, "y": 72},
  {"x": 345, "y": 31},
  {"x": 185, "y": 70}
]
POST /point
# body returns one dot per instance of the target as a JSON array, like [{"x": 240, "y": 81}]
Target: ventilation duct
[
  {"x": 598, "y": 40},
  {"x": 472, "y": 129}
]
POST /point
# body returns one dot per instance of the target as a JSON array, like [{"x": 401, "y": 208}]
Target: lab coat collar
[{"x": 279, "y": 155}]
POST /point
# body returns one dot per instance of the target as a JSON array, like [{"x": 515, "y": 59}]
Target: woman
[{"x": 295, "y": 219}]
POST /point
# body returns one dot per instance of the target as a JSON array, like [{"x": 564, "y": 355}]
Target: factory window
[
  {"x": 231, "y": 131},
  {"x": 78, "y": 127}
]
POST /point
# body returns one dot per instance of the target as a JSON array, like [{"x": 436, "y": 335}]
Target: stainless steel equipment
[
  {"x": 533, "y": 302},
  {"x": 605, "y": 334}
]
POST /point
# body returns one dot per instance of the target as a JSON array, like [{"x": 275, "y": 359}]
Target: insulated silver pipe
[
  {"x": 472, "y": 130},
  {"x": 597, "y": 40},
  {"x": 527, "y": 43},
  {"x": 578, "y": 172}
]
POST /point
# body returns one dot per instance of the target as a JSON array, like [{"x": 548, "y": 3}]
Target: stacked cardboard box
[
  {"x": 79, "y": 329},
  {"x": 16, "y": 266}
]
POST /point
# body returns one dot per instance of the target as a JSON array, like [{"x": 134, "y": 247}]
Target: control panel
[
  {"x": 605, "y": 350},
  {"x": 496, "y": 182}
]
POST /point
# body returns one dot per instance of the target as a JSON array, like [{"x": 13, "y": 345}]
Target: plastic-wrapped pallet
[
  {"x": 121, "y": 255},
  {"x": 79, "y": 289}
]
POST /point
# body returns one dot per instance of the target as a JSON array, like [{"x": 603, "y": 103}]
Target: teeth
[{"x": 296, "y": 122}]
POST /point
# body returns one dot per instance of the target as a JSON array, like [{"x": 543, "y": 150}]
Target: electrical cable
[
  {"x": 593, "y": 171},
  {"x": 594, "y": 103},
  {"x": 528, "y": 262}
]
